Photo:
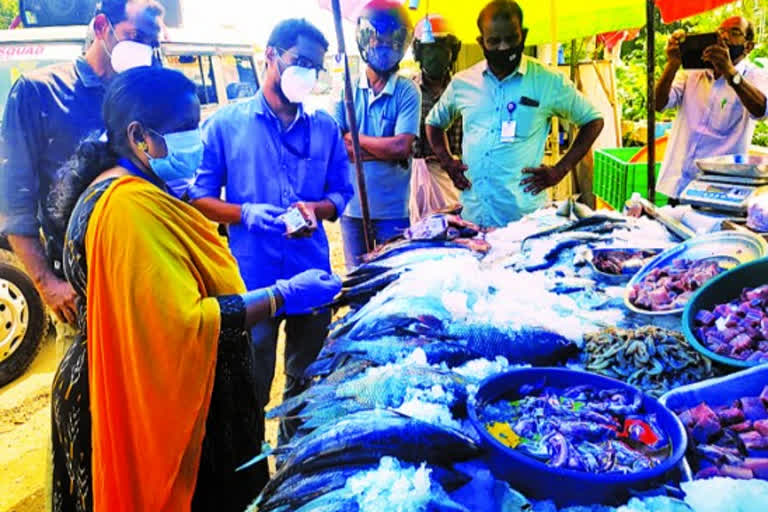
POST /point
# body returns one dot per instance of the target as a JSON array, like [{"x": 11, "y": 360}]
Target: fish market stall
[{"x": 534, "y": 367}]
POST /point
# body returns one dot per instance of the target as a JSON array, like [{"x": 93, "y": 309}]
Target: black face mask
[
  {"x": 505, "y": 61},
  {"x": 735, "y": 51},
  {"x": 436, "y": 62}
]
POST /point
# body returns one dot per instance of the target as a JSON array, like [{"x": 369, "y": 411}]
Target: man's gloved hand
[
  {"x": 262, "y": 217},
  {"x": 310, "y": 289}
]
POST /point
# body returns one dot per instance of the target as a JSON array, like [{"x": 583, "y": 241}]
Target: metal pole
[
  {"x": 651, "y": 105},
  {"x": 573, "y": 66},
  {"x": 350, "y": 108}
]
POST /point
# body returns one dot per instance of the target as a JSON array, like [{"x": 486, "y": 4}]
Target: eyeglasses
[
  {"x": 303, "y": 62},
  {"x": 733, "y": 32}
]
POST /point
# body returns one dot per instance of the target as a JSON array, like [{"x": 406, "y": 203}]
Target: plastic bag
[
  {"x": 757, "y": 213},
  {"x": 426, "y": 195}
]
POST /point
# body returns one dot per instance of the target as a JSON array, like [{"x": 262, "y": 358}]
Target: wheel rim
[{"x": 14, "y": 318}]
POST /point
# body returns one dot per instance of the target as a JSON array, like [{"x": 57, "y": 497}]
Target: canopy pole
[
  {"x": 573, "y": 65},
  {"x": 351, "y": 118},
  {"x": 650, "y": 42}
]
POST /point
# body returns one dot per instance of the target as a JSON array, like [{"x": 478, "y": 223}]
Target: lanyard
[
  {"x": 134, "y": 169},
  {"x": 511, "y": 107}
]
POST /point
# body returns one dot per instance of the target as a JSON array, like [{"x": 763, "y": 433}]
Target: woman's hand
[{"x": 310, "y": 289}]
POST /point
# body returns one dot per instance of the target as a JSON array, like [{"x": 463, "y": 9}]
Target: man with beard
[
  {"x": 718, "y": 107},
  {"x": 506, "y": 103},
  {"x": 49, "y": 112},
  {"x": 387, "y": 110},
  {"x": 269, "y": 154},
  {"x": 436, "y": 49}
]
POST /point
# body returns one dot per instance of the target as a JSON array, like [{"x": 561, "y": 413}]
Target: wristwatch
[{"x": 735, "y": 79}]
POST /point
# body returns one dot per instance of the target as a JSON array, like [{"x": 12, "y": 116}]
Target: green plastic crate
[{"x": 616, "y": 178}]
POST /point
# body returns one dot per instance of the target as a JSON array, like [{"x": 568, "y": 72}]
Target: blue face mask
[
  {"x": 383, "y": 58},
  {"x": 185, "y": 155}
]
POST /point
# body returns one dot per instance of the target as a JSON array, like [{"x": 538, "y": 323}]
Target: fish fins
[
  {"x": 289, "y": 407},
  {"x": 321, "y": 367},
  {"x": 266, "y": 451}
]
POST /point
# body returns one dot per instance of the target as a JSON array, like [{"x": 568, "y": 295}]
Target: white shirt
[{"x": 712, "y": 121}]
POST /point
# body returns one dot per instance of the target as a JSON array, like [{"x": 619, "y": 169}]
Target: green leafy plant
[
  {"x": 631, "y": 74},
  {"x": 9, "y": 9}
]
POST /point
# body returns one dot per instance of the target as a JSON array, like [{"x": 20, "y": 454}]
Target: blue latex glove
[
  {"x": 310, "y": 289},
  {"x": 262, "y": 217}
]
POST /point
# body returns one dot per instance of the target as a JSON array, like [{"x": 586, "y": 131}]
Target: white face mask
[
  {"x": 128, "y": 54},
  {"x": 297, "y": 82}
]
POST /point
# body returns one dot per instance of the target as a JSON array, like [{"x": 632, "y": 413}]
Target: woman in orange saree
[{"x": 154, "y": 405}]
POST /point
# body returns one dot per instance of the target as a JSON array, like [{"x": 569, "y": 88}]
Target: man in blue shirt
[
  {"x": 506, "y": 103},
  {"x": 49, "y": 111},
  {"x": 268, "y": 154},
  {"x": 388, "y": 110}
]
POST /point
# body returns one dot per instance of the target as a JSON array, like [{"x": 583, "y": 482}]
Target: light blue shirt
[
  {"x": 246, "y": 155},
  {"x": 533, "y": 94},
  {"x": 396, "y": 110}
]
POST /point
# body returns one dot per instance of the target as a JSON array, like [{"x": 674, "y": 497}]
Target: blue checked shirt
[{"x": 249, "y": 155}]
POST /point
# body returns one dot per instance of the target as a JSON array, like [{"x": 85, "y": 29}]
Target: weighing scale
[{"x": 726, "y": 183}]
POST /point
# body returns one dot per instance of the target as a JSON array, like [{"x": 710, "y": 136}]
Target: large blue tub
[{"x": 565, "y": 486}]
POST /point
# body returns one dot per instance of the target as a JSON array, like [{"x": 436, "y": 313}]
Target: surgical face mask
[
  {"x": 297, "y": 82},
  {"x": 127, "y": 54},
  {"x": 383, "y": 58},
  {"x": 185, "y": 155}
]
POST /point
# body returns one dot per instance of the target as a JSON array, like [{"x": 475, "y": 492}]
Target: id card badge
[
  {"x": 508, "y": 131},
  {"x": 509, "y": 127}
]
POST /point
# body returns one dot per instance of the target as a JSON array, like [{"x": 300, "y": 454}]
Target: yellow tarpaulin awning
[
  {"x": 546, "y": 20},
  {"x": 563, "y": 19}
]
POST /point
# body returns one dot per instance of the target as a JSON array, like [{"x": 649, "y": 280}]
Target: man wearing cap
[
  {"x": 719, "y": 107},
  {"x": 436, "y": 49},
  {"x": 387, "y": 108},
  {"x": 506, "y": 103}
]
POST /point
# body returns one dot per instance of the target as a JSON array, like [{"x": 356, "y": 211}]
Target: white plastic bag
[
  {"x": 427, "y": 194},
  {"x": 757, "y": 212}
]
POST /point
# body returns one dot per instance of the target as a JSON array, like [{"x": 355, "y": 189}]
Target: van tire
[{"x": 13, "y": 281}]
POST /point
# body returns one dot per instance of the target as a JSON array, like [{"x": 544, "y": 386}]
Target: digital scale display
[
  {"x": 717, "y": 189},
  {"x": 725, "y": 196}
]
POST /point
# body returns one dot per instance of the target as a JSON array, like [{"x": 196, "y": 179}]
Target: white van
[{"x": 220, "y": 63}]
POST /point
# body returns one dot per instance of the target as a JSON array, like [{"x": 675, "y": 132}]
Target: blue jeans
[{"x": 354, "y": 241}]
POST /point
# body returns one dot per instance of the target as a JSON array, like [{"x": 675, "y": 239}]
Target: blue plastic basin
[
  {"x": 566, "y": 486},
  {"x": 722, "y": 289}
]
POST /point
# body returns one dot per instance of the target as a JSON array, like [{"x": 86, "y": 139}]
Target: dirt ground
[{"x": 25, "y": 418}]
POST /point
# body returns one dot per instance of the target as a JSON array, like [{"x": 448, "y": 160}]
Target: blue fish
[{"x": 365, "y": 437}]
